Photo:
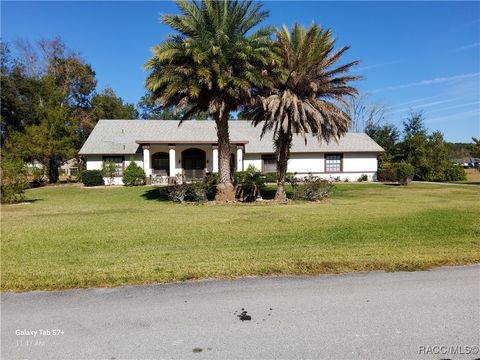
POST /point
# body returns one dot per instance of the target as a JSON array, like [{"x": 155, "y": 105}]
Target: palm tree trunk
[
  {"x": 282, "y": 144},
  {"x": 225, "y": 189}
]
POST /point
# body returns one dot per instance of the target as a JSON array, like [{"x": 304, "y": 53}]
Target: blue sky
[{"x": 414, "y": 55}]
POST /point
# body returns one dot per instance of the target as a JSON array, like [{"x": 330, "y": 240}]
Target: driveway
[{"x": 403, "y": 315}]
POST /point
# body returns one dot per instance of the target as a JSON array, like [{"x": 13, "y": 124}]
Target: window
[
  {"x": 269, "y": 163},
  {"x": 118, "y": 160},
  {"x": 333, "y": 163}
]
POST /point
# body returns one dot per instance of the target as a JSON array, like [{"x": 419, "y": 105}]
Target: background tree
[
  {"x": 150, "y": 110},
  {"x": 52, "y": 141},
  {"x": 414, "y": 124},
  {"x": 308, "y": 93},
  {"x": 42, "y": 111},
  {"x": 364, "y": 113},
  {"x": 475, "y": 148},
  {"x": 459, "y": 151},
  {"x": 49, "y": 105},
  {"x": 20, "y": 95},
  {"x": 211, "y": 65},
  {"x": 386, "y": 135},
  {"x": 106, "y": 105},
  {"x": 428, "y": 153}
]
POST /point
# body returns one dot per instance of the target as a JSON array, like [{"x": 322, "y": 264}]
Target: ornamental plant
[{"x": 133, "y": 175}]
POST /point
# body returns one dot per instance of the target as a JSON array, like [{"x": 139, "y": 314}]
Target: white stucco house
[{"x": 165, "y": 149}]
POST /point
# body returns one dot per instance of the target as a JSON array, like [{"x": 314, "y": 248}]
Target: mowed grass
[
  {"x": 473, "y": 176},
  {"x": 74, "y": 237}
]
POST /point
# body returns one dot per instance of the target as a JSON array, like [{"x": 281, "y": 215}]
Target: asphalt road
[{"x": 355, "y": 316}]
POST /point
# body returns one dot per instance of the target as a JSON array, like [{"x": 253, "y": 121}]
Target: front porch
[{"x": 167, "y": 163}]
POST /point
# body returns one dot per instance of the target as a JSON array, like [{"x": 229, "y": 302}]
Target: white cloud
[
  {"x": 468, "y": 47},
  {"x": 425, "y": 105},
  {"x": 417, "y": 100},
  {"x": 457, "y": 106},
  {"x": 438, "y": 80},
  {"x": 457, "y": 116}
]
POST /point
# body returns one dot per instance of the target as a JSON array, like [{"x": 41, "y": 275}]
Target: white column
[
  {"x": 215, "y": 158},
  {"x": 171, "y": 160},
  {"x": 146, "y": 160},
  {"x": 239, "y": 157}
]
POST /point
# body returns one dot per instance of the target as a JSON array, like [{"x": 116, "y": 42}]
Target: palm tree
[
  {"x": 308, "y": 93},
  {"x": 212, "y": 65}
]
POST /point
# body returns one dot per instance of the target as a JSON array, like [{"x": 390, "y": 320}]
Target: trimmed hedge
[
  {"x": 91, "y": 177},
  {"x": 271, "y": 177}
]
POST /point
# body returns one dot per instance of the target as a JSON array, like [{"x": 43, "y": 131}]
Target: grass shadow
[
  {"x": 21, "y": 202},
  {"x": 156, "y": 193},
  {"x": 31, "y": 200},
  {"x": 269, "y": 190}
]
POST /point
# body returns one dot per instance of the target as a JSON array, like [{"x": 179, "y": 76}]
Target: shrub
[
  {"x": 195, "y": 191},
  {"x": 250, "y": 184},
  {"x": 405, "y": 173},
  {"x": 388, "y": 174},
  {"x": 424, "y": 172},
  {"x": 455, "y": 172},
  {"x": 237, "y": 176},
  {"x": 14, "y": 180},
  {"x": 313, "y": 188},
  {"x": 363, "y": 177},
  {"x": 37, "y": 177},
  {"x": 133, "y": 175},
  {"x": 292, "y": 179},
  {"x": 91, "y": 177},
  {"x": 177, "y": 193},
  {"x": 211, "y": 182},
  {"x": 109, "y": 171},
  {"x": 271, "y": 177}
]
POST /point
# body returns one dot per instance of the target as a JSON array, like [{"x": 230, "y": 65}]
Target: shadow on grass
[
  {"x": 156, "y": 193},
  {"x": 31, "y": 200},
  {"x": 161, "y": 193},
  {"x": 21, "y": 202}
]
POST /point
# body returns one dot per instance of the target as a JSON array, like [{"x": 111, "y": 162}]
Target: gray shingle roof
[{"x": 124, "y": 137}]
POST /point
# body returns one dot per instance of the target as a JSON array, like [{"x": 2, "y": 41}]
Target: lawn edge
[{"x": 240, "y": 278}]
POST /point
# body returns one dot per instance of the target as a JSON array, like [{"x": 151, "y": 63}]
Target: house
[
  {"x": 166, "y": 149},
  {"x": 69, "y": 168}
]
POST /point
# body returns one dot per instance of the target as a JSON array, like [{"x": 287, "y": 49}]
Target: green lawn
[{"x": 70, "y": 237}]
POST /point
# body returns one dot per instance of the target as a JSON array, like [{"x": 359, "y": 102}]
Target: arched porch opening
[
  {"x": 161, "y": 163},
  {"x": 194, "y": 163}
]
